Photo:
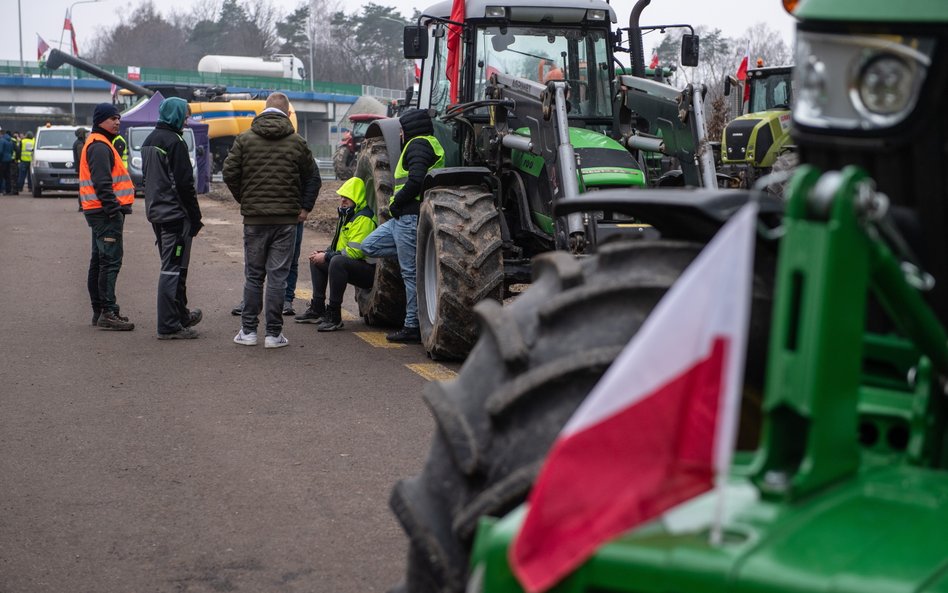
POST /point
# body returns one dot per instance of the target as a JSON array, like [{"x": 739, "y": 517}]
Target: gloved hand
[
  {"x": 394, "y": 210},
  {"x": 196, "y": 227}
]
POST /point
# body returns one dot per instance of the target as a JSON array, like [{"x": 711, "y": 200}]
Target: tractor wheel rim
[{"x": 431, "y": 278}]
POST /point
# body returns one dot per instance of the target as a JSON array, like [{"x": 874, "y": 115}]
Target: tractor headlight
[
  {"x": 885, "y": 85},
  {"x": 858, "y": 81},
  {"x": 595, "y": 15}
]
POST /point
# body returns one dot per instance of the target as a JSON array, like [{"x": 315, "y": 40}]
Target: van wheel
[{"x": 37, "y": 190}]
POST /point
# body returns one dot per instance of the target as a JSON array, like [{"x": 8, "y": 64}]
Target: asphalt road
[{"x": 129, "y": 464}]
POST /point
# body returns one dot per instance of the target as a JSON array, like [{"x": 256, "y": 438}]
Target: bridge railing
[{"x": 34, "y": 70}]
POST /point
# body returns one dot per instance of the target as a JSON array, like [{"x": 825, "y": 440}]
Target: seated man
[{"x": 344, "y": 263}]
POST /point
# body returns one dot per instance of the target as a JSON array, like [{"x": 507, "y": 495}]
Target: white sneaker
[
  {"x": 275, "y": 341},
  {"x": 246, "y": 339}
]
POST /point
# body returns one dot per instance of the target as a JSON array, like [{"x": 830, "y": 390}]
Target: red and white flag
[
  {"x": 41, "y": 47},
  {"x": 659, "y": 425},
  {"x": 67, "y": 26},
  {"x": 654, "y": 63},
  {"x": 455, "y": 33}
]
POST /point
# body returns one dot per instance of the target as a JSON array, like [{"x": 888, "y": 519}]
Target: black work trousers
[
  {"x": 174, "y": 246},
  {"x": 340, "y": 271},
  {"x": 106, "y": 259}
]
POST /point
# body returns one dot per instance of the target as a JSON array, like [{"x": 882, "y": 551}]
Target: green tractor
[
  {"x": 845, "y": 489},
  {"x": 756, "y": 142},
  {"x": 840, "y": 479},
  {"x": 533, "y": 125}
]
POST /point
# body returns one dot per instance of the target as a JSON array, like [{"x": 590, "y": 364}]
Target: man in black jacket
[
  {"x": 396, "y": 237},
  {"x": 172, "y": 208},
  {"x": 271, "y": 172}
]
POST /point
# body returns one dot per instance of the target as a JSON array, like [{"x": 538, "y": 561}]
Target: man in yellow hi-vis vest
[
  {"x": 396, "y": 237},
  {"x": 26, "y": 157}
]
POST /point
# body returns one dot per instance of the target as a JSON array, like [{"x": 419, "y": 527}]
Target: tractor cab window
[
  {"x": 440, "y": 96},
  {"x": 542, "y": 54},
  {"x": 774, "y": 91}
]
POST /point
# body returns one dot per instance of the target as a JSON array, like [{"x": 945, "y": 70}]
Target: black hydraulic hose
[
  {"x": 57, "y": 58},
  {"x": 636, "y": 48}
]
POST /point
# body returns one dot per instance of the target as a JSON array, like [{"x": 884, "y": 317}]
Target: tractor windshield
[
  {"x": 770, "y": 90},
  {"x": 577, "y": 56}
]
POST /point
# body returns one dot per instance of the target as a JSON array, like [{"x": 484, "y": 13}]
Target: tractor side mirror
[
  {"x": 416, "y": 43},
  {"x": 727, "y": 86},
  {"x": 689, "y": 50}
]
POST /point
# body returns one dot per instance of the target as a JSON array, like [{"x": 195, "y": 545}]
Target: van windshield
[
  {"x": 137, "y": 136},
  {"x": 55, "y": 139}
]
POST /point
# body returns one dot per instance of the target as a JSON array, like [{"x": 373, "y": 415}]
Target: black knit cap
[
  {"x": 416, "y": 122},
  {"x": 103, "y": 111}
]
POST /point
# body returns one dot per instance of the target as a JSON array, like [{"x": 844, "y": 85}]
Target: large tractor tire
[
  {"x": 384, "y": 303},
  {"x": 459, "y": 264},
  {"x": 534, "y": 362},
  {"x": 343, "y": 163}
]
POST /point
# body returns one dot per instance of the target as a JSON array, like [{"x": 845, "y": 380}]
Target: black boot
[
  {"x": 333, "y": 319},
  {"x": 315, "y": 313}
]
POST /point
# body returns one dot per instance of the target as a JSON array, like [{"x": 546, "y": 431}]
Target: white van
[
  {"x": 53, "y": 167},
  {"x": 135, "y": 137}
]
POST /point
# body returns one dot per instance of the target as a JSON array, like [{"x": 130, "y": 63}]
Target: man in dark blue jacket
[{"x": 172, "y": 208}]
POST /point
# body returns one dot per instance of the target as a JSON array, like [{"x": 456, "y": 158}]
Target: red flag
[
  {"x": 742, "y": 74},
  {"x": 654, "y": 63},
  {"x": 658, "y": 426},
  {"x": 455, "y": 32},
  {"x": 67, "y": 26},
  {"x": 41, "y": 47},
  {"x": 417, "y": 72}
]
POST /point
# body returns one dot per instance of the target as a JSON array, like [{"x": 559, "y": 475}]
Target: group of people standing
[
  {"x": 271, "y": 172},
  {"x": 16, "y": 154}
]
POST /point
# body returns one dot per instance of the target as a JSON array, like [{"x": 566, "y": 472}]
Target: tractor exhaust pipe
[
  {"x": 636, "y": 48},
  {"x": 58, "y": 58}
]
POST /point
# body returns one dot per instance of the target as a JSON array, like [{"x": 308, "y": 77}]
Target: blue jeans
[
  {"x": 294, "y": 265},
  {"x": 396, "y": 238},
  {"x": 267, "y": 251},
  {"x": 24, "y": 177}
]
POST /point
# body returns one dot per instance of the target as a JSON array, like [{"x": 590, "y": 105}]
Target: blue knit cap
[{"x": 103, "y": 111}]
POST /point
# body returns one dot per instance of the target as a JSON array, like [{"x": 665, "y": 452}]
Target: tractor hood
[
  {"x": 932, "y": 11},
  {"x": 603, "y": 162},
  {"x": 883, "y": 530},
  {"x": 750, "y": 137}
]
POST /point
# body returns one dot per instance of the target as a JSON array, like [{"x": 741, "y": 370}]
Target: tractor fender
[
  {"x": 692, "y": 214},
  {"x": 458, "y": 176},
  {"x": 391, "y": 131}
]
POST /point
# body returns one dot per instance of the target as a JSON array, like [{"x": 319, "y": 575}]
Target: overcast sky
[{"x": 45, "y": 17}]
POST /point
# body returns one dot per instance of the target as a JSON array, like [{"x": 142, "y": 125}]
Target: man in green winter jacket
[
  {"x": 271, "y": 172},
  {"x": 343, "y": 263}
]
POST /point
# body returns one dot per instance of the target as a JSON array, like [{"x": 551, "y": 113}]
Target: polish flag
[
  {"x": 455, "y": 33},
  {"x": 41, "y": 47},
  {"x": 67, "y": 26},
  {"x": 658, "y": 427}
]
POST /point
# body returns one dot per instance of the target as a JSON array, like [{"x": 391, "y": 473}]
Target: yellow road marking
[
  {"x": 377, "y": 339},
  {"x": 347, "y": 316},
  {"x": 304, "y": 294},
  {"x": 432, "y": 371}
]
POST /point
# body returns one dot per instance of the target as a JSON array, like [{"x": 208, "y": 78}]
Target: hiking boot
[
  {"x": 333, "y": 320},
  {"x": 406, "y": 335},
  {"x": 115, "y": 322},
  {"x": 276, "y": 341},
  {"x": 315, "y": 313},
  {"x": 185, "y": 333},
  {"x": 246, "y": 338},
  {"x": 288, "y": 308},
  {"x": 238, "y": 310},
  {"x": 194, "y": 318}
]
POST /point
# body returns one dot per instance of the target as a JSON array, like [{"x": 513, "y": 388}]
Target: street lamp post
[
  {"x": 19, "y": 20},
  {"x": 72, "y": 69}
]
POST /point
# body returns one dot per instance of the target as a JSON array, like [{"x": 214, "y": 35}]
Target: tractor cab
[{"x": 770, "y": 88}]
